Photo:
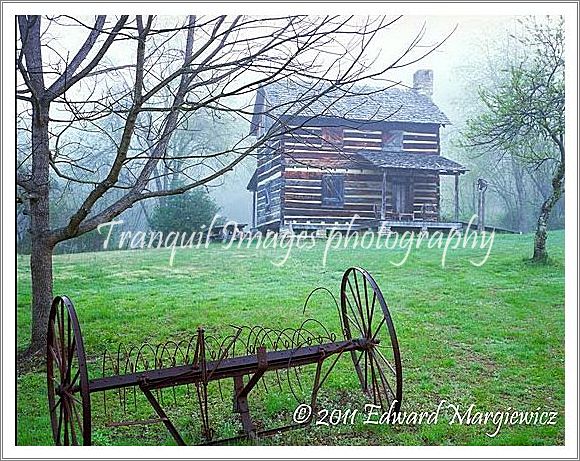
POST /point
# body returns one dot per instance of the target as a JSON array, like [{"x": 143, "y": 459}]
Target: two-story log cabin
[{"x": 374, "y": 156}]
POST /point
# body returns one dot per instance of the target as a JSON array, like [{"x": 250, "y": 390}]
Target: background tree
[
  {"x": 185, "y": 212},
  {"x": 517, "y": 188},
  {"x": 524, "y": 114},
  {"x": 131, "y": 82}
]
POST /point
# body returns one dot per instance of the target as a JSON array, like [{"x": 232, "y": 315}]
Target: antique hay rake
[{"x": 244, "y": 357}]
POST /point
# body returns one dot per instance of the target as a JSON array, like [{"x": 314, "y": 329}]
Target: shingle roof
[
  {"x": 358, "y": 103},
  {"x": 414, "y": 160}
]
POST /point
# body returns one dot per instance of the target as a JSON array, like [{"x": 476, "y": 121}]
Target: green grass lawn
[{"x": 492, "y": 336}]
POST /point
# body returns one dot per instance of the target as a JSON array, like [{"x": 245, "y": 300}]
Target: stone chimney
[{"x": 423, "y": 82}]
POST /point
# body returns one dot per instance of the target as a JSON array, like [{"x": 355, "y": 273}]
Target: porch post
[
  {"x": 384, "y": 196},
  {"x": 254, "y": 210},
  {"x": 456, "y": 197}
]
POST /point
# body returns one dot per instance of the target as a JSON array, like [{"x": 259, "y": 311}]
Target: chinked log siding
[
  {"x": 290, "y": 170},
  {"x": 307, "y": 146},
  {"x": 269, "y": 202},
  {"x": 362, "y": 195}
]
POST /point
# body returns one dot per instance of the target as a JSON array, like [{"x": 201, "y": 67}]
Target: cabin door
[{"x": 402, "y": 199}]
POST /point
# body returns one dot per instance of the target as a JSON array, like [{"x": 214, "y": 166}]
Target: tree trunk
[
  {"x": 540, "y": 252},
  {"x": 41, "y": 272},
  {"x": 518, "y": 174},
  {"x": 41, "y": 238}
]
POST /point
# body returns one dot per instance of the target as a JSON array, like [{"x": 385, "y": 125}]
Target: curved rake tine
[
  {"x": 327, "y": 334},
  {"x": 105, "y": 352},
  {"x": 296, "y": 373},
  {"x": 117, "y": 372},
  {"x": 190, "y": 343},
  {"x": 291, "y": 387},
  {"x": 298, "y": 379},
  {"x": 336, "y": 303},
  {"x": 224, "y": 353},
  {"x": 128, "y": 367},
  {"x": 287, "y": 340},
  {"x": 252, "y": 333},
  {"x": 220, "y": 390}
]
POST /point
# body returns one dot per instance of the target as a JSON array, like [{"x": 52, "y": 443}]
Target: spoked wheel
[
  {"x": 365, "y": 315},
  {"x": 67, "y": 378}
]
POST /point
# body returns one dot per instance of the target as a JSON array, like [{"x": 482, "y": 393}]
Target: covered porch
[{"x": 410, "y": 190}]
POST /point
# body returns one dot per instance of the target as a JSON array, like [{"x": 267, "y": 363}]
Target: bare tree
[{"x": 134, "y": 81}]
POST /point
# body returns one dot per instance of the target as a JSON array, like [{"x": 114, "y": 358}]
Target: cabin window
[
  {"x": 333, "y": 190},
  {"x": 393, "y": 140},
  {"x": 332, "y": 135}
]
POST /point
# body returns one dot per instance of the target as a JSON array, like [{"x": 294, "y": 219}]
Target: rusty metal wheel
[
  {"x": 365, "y": 315},
  {"x": 67, "y": 378}
]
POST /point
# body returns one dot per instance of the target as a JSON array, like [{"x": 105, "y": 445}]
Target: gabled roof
[
  {"x": 394, "y": 104},
  {"x": 413, "y": 160}
]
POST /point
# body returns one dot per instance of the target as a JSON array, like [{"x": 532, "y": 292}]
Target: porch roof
[{"x": 413, "y": 160}]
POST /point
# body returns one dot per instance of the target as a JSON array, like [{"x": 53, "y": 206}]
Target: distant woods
[{"x": 515, "y": 130}]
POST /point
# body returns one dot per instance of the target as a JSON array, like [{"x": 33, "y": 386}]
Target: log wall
[
  {"x": 269, "y": 186},
  {"x": 293, "y": 167}
]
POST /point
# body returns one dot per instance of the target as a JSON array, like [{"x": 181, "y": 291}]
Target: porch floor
[
  {"x": 376, "y": 224},
  {"x": 422, "y": 224}
]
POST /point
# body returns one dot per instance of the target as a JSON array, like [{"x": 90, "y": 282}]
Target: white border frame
[{"x": 9, "y": 450}]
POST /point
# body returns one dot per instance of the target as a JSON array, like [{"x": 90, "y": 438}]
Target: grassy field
[{"x": 492, "y": 336}]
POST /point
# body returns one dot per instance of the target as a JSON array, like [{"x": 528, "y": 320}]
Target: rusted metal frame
[
  {"x": 241, "y": 406},
  {"x": 200, "y": 372},
  {"x": 162, "y": 415},
  {"x": 262, "y": 367},
  {"x": 241, "y": 392},
  {"x": 187, "y": 374},
  {"x": 291, "y": 359}
]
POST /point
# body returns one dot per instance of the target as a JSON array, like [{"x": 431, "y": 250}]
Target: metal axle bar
[{"x": 226, "y": 368}]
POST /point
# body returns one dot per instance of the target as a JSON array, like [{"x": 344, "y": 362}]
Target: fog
[{"x": 456, "y": 64}]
